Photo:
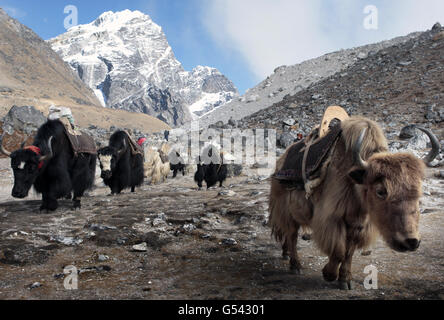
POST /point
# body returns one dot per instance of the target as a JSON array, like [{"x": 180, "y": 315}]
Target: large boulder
[
  {"x": 21, "y": 123},
  {"x": 24, "y": 119}
]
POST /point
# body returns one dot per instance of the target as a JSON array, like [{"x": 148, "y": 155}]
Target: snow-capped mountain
[{"x": 126, "y": 59}]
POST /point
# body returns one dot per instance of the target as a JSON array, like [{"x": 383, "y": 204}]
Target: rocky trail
[{"x": 192, "y": 245}]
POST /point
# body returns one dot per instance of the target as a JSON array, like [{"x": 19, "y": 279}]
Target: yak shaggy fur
[
  {"x": 157, "y": 166},
  {"x": 337, "y": 211}
]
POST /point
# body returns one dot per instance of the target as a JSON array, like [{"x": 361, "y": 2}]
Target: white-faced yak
[
  {"x": 121, "y": 163},
  {"x": 52, "y": 166}
]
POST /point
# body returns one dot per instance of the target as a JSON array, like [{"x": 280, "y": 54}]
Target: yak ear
[{"x": 358, "y": 175}]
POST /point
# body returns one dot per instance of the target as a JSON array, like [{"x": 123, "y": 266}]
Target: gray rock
[
  {"x": 408, "y": 132},
  {"x": 227, "y": 193},
  {"x": 289, "y": 122},
  {"x": 436, "y": 27},
  {"x": 189, "y": 228},
  {"x": 229, "y": 241},
  {"x": 286, "y": 139},
  {"x": 35, "y": 285},
  {"x": 234, "y": 170},
  {"x": 141, "y": 247},
  {"x": 25, "y": 119},
  {"x": 102, "y": 258}
]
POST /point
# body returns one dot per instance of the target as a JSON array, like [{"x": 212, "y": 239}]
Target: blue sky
[{"x": 247, "y": 39}]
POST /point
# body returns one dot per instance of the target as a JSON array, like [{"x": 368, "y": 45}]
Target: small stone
[
  {"x": 229, "y": 241},
  {"x": 157, "y": 222},
  {"x": 142, "y": 247},
  {"x": 189, "y": 227},
  {"x": 404, "y": 63},
  {"x": 289, "y": 122},
  {"x": 228, "y": 193},
  {"x": 362, "y": 55},
  {"x": 35, "y": 285},
  {"x": 103, "y": 258}
]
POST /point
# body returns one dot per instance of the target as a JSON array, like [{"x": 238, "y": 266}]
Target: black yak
[
  {"x": 121, "y": 163},
  {"x": 211, "y": 167},
  {"x": 177, "y": 164},
  {"x": 52, "y": 167}
]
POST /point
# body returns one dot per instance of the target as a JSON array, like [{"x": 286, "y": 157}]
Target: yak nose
[
  {"x": 18, "y": 194},
  {"x": 106, "y": 174},
  {"x": 412, "y": 244}
]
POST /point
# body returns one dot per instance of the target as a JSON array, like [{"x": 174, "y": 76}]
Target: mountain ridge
[{"x": 126, "y": 59}]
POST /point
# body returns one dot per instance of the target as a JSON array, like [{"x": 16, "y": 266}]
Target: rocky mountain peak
[{"x": 126, "y": 59}]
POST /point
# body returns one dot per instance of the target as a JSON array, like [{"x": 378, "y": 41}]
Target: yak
[
  {"x": 177, "y": 164},
  {"x": 157, "y": 166},
  {"x": 121, "y": 168},
  {"x": 364, "y": 189},
  {"x": 211, "y": 167},
  {"x": 52, "y": 167}
]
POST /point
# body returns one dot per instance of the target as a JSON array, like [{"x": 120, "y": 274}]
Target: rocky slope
[
  {"x": 289, "y": 80},
  {"x": 126, "y": 59},
  {"x": 32, "y": 73},
  {"x": 397, "y": 86}
]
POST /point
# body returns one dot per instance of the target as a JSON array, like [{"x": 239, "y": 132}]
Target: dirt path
[{"x": 200, "y": 245}]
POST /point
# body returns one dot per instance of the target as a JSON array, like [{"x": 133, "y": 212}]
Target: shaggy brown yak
[{"x": 365, "y": 189}]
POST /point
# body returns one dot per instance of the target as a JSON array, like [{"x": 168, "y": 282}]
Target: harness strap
[
  {"x": 37, "y": 151},
  {"x": 304, "y": 160}
]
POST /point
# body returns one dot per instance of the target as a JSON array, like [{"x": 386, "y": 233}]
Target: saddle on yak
[
  {"x": 80, "y": 142},
  {"x": 305, "y": 159},
  {"x": 134, "y": 146}
]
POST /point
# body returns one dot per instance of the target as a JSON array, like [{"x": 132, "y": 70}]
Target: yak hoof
[
  {"x": 366, "y": 253},
  {"x": 328, "y": 276},
  {"x": 285, "y": 257},
  {"x": 295, "y": 270},
  {"x": 76, "y": 205},
  {"x": 295, "y": 266},
  {"x": 346, "y": 285}
]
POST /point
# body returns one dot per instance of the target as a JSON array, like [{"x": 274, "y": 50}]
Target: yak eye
[{"x": 381, "y": 193}]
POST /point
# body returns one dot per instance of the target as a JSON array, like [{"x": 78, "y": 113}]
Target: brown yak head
[{"x": 390, "y": 187}]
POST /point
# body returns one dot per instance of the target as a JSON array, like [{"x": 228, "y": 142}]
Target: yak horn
[
  {"x": 50, "y": 154},
  {"x": 435, "y": 146},
  {"x": 2, "y": 149},
  {"x": 357, "y": 151},
  {"x": 124, "y": 147}
]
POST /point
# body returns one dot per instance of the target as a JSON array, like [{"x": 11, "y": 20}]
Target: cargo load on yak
[{"x": 304, "y": 167}]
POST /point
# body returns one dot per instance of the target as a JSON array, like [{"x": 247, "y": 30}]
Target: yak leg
[
  {"x": 295, "y": 265},
  {"x": 49, "y": 202},
  {"x": 330, "y": 271},
  {"x": 345, "y": 275},
  {"x": 285, "y": 250}
]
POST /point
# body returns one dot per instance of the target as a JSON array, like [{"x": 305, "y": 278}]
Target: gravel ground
[{"x": 199, "y": 245}]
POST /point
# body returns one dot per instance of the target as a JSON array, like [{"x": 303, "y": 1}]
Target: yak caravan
[{"x": 300, "y": 175}]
